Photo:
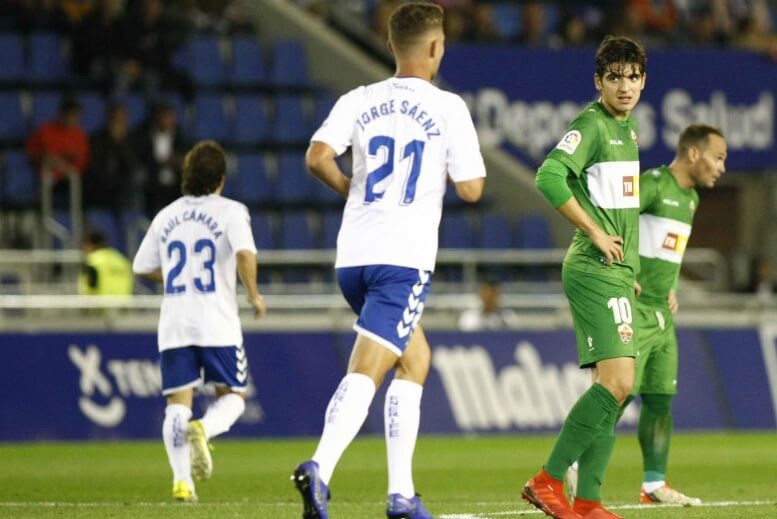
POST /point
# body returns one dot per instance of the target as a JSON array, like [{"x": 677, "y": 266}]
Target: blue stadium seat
[
  {"x": 104, "y": 221},
  {"x": 93, "y": 111},
  {"x": 45, "y": 61},
  {"x": 322, "y": 105},
  {"x": 11, "y": 57},
  {"x": 321, "y": 194},
  {"x": 45, "y": 106},
  {"x": 210, "y": 119},
  {"x": 20, "y": 183},
  {"x": 534, "y": 233},
  {"x": 289, "y": 63},
  {"x": 330, "y": 226},
  {"x": 451, "y": 199},
  {"x": 251, "y": 124},
  {"x": 134, "y": 223},
  {"x": 248, "y": 67},
  {"x": 205, "y": 64},
  {"x": 262, "y": 228},
  {"x": 12, "y": 123},
  {"x": 293, "y": 184},
  {"x": 456, "y": 232},
  {"x": 252, "y": 185},
  {"x": 296, "y": 232},
  {"x": 291, "y": 124},
  {"x": 495, "y": 232}
]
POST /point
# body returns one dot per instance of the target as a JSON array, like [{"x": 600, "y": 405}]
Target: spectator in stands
[
  {"x": 61, "y": 147},
  {"x": 108, "y": 181},
  {"x": 762, "y": 279},
  {"x": 96, "y": 44},
  {"x": 532, "y": 24},
  {"x": 231, "y": 16},
  {"x": 106, "y": 271},
  {"x": 160, "y": 148},
  {"x": 150, "y": 37},
  {"x": 489, "y": 315}
]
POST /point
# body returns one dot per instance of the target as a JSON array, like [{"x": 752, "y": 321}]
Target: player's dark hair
[
  {"x": 410, "y": 21},
  {"x": 204, "y": 168},
  {"x": 96, "y": 238},
  {"x": 695, "y": 135},
  {"x": 618, "y": 51}
]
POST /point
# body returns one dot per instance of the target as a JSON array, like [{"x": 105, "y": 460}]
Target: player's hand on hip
[
  {"x": 637, "y": 289},
  {"x": 671, "y": 300},
  {"x": 610, "y": 246},
  {"x": 257, "y": 302}
]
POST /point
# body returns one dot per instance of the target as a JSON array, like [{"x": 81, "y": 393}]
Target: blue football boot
[
  {"x": 401, "y": 507},
  {"x": 315, "y": 493}
]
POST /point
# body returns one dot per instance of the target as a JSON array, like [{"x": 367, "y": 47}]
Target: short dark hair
[
  {"x": 204, "y": 168},
  {"x": 619, "y": 50},
  {"x": 95, "y": 238},
  {"x": 695, "y": 135},
  {"x": 69, "y": 104},
  {"x": 411, "y": 20}
]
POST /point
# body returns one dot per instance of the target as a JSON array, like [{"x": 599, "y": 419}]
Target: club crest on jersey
[
  {"x": 570, "y": 142},
  {"x": 631, "y": 185},
  {"x": 626, "y": 333},
  {"x": 634, "y": 138},
  {"x": 692, "y": 206}
]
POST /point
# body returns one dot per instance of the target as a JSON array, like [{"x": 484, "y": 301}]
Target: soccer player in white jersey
[
  {"x": 407, "y": 138},
  {"x": 193, "y": 247}
]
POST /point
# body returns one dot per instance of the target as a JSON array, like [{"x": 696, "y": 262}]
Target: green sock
[
  {"x": 593, "y": 463},
  {"x": 581, "y": 427},
  {"x": 655, "y": 433}
]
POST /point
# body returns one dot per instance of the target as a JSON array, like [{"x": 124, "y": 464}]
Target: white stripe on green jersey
[
  {"x": 614, "y": 185},
  {"x": 665, "y": 226},
  {"x": 662, "y": 238}
]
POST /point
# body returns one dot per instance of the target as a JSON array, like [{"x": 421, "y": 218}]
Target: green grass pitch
[{"x": 460, "y": 478}]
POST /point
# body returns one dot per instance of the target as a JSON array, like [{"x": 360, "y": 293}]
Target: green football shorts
[
  {"x": 602, "y": 312},
  {"x": 656, "y": 363}
]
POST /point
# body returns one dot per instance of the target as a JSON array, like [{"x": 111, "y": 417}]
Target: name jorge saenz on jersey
[
  {"x": 106, "y": 386},
  {"x": 525, "y": 395}
]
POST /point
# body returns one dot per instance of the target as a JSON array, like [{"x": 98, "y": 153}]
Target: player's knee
[{"x": 619, "y": 386}]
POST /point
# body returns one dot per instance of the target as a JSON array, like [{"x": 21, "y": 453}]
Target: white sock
[
  {"x": 174, "y": 435},
  {"x": 222, "y": 414},
  {"x": 574, "y": 466},
  {"x": 345, "y": 415},
  {"x": 652, "y": 486},
  {"x": 402, "y": 416}
]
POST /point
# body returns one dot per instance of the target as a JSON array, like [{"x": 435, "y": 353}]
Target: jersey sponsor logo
[
  {"x": 630, "y": 186},
  {"x": 669, "y": 201},
  {"x": 625, "y": 332},
  {"x": 616, "y": 142},
  {"x": 570, "y": 142},
  {"x": 675, "y": 242}
]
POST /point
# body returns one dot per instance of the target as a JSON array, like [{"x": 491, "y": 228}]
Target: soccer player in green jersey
[
  {"x": 592, "y": 178},
  {"x": 668, "y": 201}
]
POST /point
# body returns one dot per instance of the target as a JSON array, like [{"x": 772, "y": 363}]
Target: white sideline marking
[{"x": 710, "y": 504}]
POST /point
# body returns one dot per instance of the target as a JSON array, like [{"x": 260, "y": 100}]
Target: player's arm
[
  {"x": 246, "y": 267},
  {"x": 154, "y": 275},
  {"x": 320, "y": 161},
  {"x": 470, "y": 190},
  {"x": 551, "y": 180}
]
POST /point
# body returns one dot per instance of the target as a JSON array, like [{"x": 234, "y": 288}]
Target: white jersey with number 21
[
  {"x": 194, "y": 241},
  {"x": 407, "y": 136}
]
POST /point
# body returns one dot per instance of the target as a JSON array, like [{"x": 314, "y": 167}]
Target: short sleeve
[
  {"x": 337, "y": 128},
  {"x": 579, "y": 146},
  {"x": 464, "y": 160},
  {"x": 147, "y": 258},
  {"x": 239, "y": 233}
]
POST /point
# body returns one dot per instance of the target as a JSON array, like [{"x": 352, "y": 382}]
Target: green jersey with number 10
[
  {"x": 601, "y": 151},
  {"x": 664, "y": 228}
]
